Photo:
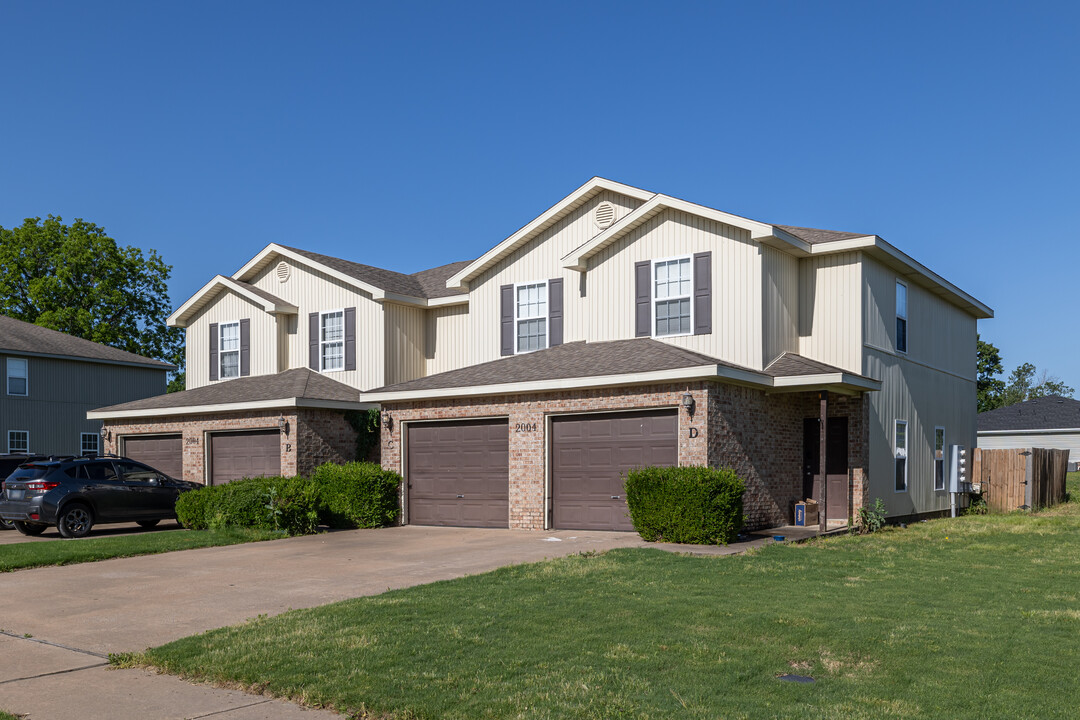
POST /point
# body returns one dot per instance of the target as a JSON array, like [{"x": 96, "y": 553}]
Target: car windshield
[{"x": 29, "y": 472}]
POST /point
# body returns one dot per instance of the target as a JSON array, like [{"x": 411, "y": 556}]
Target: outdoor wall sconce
[
  {"x": 283, "y": 425},
  {"x": 688, "y": 403},
  {"x": 387, "y": 421},
  {"x": 104, "y": 433}
]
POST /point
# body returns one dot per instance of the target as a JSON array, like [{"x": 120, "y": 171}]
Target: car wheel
[
  {"x": 75, "y": 521},
  {"x": 30, "y": 529},
  {"x": 6, "y": 524},
  {"x": 147, "y": 523}
]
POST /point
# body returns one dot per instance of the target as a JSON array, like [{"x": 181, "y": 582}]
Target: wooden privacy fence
[{"x": 1020, "y": 477}]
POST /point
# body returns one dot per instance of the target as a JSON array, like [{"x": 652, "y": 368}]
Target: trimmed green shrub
[
  {"x": 357, "y": 494},
  {"x": 289, "y": 504},
  {"x": 699, "y": 505}
]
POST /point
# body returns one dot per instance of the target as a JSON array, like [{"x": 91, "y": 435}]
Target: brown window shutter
[
  {"x": 642, "y": 299},
  {"x": 555, "y": 312},
  {"x": 213, "y": 351},
  {"x": 350, "y": 338},
  {"x": 245, "y": 347},
  {"x": 506, "y": 315},
  {"x": 313, "y": 341},
  {"x": 702, "y": 293}
]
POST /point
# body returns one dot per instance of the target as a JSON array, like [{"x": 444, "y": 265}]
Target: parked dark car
[
  {"x": 9, "y": 463},
  {"x": 74, "y": 494}
]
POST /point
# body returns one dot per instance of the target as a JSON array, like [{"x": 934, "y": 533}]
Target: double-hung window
[
  {"x": 18, "y": 441},
  {"x": 229, "y": 356},
  {"x": 672, "y": 288},
  {"x": 88, "y": 442},
  {"x": 332, "y": 340},
  {"x": 16, "y": 376},
  {"x": 900, "y": 446},
  {"x": 939, "y": 458},
  {"x": 901, "y": 317},
  {"x": 531, "y": 316}
]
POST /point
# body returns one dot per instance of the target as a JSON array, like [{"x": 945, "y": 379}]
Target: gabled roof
[
  {"x": 219, "y": 283},
  {"x": 23, "y": 338},
  {"x": 611, "y": 363},
  {"x": 1046, "y": 413},
  {"x": 299, "y": 387},
  {"x": 815, "y": 236}
]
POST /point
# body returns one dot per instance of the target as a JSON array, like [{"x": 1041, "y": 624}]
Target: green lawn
[
  {"x": 974, "y": 617},
  {"x": 19, "y": 556},
  {"x": 8, "y": 716}
]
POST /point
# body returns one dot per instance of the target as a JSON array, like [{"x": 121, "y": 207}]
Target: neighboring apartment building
[
  {"x": 52, "y": 379},
  {"x": 620, "y": 327},
  {"x": 1046, "y": 422}
]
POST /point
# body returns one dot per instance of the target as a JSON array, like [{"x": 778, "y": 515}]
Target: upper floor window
[
  {"x": 18, "y": 441},
  {"x": 939, "y": 458},
  {"x": 900, "y": 454},
  {"x": 901, "y": 317},
  {"x": 88, "y": 442},
  {"x": 531, "y": 317},
  {"x": 672, "y": 289},
  {"x": 332, "y": 340},
  {"x": 229, "y": 356},
  {"x": 16, "y": 376}
]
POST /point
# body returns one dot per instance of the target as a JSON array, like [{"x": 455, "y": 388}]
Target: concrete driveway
[
  {"x": 59, "y": 623},
  {"x": 8, "y": 537}
]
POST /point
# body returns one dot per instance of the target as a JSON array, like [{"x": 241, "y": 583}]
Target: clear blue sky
[{"x": 408, "y": 135}]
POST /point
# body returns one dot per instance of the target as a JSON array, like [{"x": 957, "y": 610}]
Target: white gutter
[{"x": 106, "y": 414}]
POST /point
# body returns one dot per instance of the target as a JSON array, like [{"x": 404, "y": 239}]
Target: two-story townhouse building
[
  {"x": 619, "y": 328},
  {"x": 52, "y": 379}
]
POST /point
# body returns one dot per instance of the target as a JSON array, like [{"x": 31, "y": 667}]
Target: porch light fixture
[
  {"x": 688, "y": 403},
  {"x": 283, "y": 425},
  {"x": 104, "y": 433},
  {"x": 388, "y": 422}
]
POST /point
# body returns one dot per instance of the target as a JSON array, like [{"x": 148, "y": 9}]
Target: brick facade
[
  {"x": 758, "y": 434},
  {"x": 314, "y": 436}
]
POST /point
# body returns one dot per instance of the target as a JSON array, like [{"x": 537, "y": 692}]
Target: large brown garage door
[
  {"x": 161, "y": 452},
  {"x": 235, "y": 455},
  {"x": 590, "y": 456},
  {"x": 459, "y": 473}
]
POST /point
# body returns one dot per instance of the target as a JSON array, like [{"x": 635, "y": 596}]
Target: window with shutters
[
  {"x": 900, "y": 446},
  {"x": 332, "y": 340},
  {"x": 17, "y": 380},
  {"x": 229, "y": 350},
  {"x": 531, "y": 316},
  {"x": 672, "y": 292}
]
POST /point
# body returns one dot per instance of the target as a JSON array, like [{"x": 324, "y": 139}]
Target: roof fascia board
[
  {"x": 166, "y": 367},
  {"x": 462, "y": 277},
  {"x": 282, "y": 403},
  {"x": 836, "y": 379},
  {"x": 425, "y": 303},
  {"x": 1047, "y": 431},
  {"x": 182, "y": 315},
  {"x": 375, "y": 292}
]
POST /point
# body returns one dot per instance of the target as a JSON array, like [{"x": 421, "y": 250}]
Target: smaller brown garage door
[
  {"x": 161, "y": 452},
  {"x": 591, "y": 454},
  {"x": 459, "y": 473},
  {"x": 235, "y": 455}
]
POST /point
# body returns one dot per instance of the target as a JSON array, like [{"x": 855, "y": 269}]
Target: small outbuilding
[{"x": 1047, "y": 422}]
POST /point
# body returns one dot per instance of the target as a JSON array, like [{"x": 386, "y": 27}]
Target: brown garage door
[
  {"x": 590, "y": 456},
  {"x": 161, "y": 452},
  {"x": 459, "y": 473},
  {"x": 238, "y": 455}
]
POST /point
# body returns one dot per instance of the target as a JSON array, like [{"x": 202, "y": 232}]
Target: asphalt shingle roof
[
  {"x": 815, "y": 236},
  {"x": 261, "y": 293},
  {"x": 295, "y": 383},
  {"x": 17, "y": 336},
  {"x": 788, "y": 364},
  {"x": 424, "y": 284},
  {"x": 1045, "y": 413}
]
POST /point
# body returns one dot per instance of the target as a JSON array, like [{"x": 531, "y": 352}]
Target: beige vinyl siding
[
  {"x": 404, "y": 343},
  {"x": 230, "y": 307},
  {"x": 939, "y": 334},
  {"x": 830, "y": 290},
  {"x": 313, "y": 291},
  {"x": 925, "y": 398},
  {"x": 538, "y": 260},
  {"x": 447, "y": 344},
  {"x": 780, "y": 298},
  {"x": 62, "y": 392},
  {"x": 1063, "y": 441}
]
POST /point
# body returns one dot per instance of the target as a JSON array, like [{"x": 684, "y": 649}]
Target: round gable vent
[
  {"x": 605, "y": 214},
  {"x": 283, "y": 271}
]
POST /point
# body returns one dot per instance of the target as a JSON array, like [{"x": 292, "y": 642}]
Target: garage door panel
[
  {"x": 591, "y": 454},
  {"x": 161, "y": 452},
  {"x": 236, "y": 455}
]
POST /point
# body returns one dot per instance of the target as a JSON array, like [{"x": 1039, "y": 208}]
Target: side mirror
[{"x": 155, "y": 480}]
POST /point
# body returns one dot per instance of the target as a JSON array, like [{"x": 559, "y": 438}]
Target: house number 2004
[{"x": 525, "y": 427}]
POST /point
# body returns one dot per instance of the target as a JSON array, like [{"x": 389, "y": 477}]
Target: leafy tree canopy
[
  {"x": 76, "y": 279},
  {"x": 1024, "y": 383}
]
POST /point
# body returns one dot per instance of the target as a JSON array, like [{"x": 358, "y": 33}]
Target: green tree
[
  {"x": 1025, "y": 383},
  {"x": 78, "y": 280},
  {"x": 989, "y": 389}
]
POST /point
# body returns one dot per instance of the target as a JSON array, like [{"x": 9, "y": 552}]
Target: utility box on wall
[{"x": 959, "y": 470}]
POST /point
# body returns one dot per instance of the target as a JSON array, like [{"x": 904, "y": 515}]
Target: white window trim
[
  {"x": 546, "y": 316},
  {"x": 904, "y": 317},
  {"x": 7, "y": 377},
  {"x": 653, "y": 298},
  {"x": 897, "y": 454},
  {"x": 12, "y": 432},
  {"x": 221, "y": 353},
  {"x": 944, "y": 465},
  {"x": 323, "y": 342},
  {"x": 97, "y": 443}
]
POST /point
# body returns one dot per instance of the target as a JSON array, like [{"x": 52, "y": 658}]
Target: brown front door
[
  {"x": 836, "y": 461},
  {"x": 161, "y": 452},
  {"x": 590, "y": 455},
  {"x": 235, "y": 455},
  {"x": 459, "y": 473}
]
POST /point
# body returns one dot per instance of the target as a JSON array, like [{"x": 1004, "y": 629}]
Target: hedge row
[
  {"x": 698, "y": 505},
  {"x": 354, "y": 495}
]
